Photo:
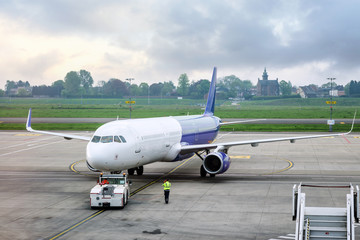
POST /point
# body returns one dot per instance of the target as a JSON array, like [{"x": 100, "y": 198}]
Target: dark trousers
[{"x": 166, "y": 193}]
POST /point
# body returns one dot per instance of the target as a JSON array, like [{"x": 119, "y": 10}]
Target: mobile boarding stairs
[{"x": 325, "y": 222}]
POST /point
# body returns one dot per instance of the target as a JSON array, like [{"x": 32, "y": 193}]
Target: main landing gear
[
  {"x": 203, "y": 172},
  {"x": 202, "y": 169},
  {"x": 139, "y": 170}
]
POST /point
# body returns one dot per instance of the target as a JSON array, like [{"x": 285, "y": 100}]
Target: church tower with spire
[
  {"x": 266, "y": 87},
  {"x": 265, "y": 75}
]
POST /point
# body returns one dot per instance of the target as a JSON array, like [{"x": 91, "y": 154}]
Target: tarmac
[{"x": 45, "y": 187}]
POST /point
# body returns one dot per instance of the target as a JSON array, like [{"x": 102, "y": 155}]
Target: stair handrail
[
  {"x": 357, "y": 204},
  {"x": 307, "y": 229},
  {"x": 352, "y": 213},
  {"x": 300, "y": 212}
]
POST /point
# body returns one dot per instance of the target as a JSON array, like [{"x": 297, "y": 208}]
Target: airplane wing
[
  {"x": 66, "y": 136},
  {"x": 254, "y": 143}
]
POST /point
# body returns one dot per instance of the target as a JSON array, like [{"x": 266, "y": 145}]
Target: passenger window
[
  {"x": 122, "y": 139},
  {"x": 117, "y": 139},
  {"x": 107, "y": 139},
  {"x": 95, "y": 139}
]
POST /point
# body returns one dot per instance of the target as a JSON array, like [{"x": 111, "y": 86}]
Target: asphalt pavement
[{"x": 45, "y": 187}]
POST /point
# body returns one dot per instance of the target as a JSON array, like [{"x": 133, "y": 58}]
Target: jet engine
[{"x": 216, "y": 163}]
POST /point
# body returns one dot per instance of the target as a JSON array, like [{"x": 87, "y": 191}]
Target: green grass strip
[
  {"x": 52, "y": 126},
  {"x": 239, "y": 127},
  {"x": 289, "y": 128}
]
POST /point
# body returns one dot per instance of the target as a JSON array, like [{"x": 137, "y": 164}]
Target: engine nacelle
[{"x": 216, "y": 163}]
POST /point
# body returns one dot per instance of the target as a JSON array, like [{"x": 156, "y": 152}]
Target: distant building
[
  {"x": 266, "y": 87},
  {"x": 23, "y": 91},
  {"x": 340, "y": 90},
  {"x": 310, "y": 91},
  {"x": 336, "y": 93},
  {"x": 313, "y": 91}
]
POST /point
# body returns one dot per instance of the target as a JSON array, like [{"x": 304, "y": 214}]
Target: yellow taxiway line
[
  {"x": 77, "y": 224},
  {"x": 72, "y": 168}
]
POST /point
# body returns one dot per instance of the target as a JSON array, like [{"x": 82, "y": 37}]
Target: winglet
[
  {"x": 28, "y": 122},
  {"x": 210, "y": 104},
  {"x": 66, "y": 136},
  {"x": 352, "y": 125}
]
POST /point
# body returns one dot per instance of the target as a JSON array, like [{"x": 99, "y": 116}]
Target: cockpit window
[
  {"x": 107, "y": 139},
  {"x": 117, "y": 139},
  {"x": 122, "y": 139},
  {"x": 95, "y": 139}
]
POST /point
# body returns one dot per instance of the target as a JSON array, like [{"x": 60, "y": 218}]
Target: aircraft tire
[
  {"x": 131, "y": 171},
  {"x": 127, "y": 198},
  {"x": 124, "y": 203},
  {"x": 202, "y": 171},
  {"x": 140, "y": 170},
  {"x": 212, "y": 175}
]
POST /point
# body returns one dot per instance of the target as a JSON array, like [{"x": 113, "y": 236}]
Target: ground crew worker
[
  {"x": 103, "y": 182},
  {"x": 167, "y": 186}
]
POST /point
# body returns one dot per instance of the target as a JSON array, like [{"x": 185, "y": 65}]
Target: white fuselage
[
  {"x": 125, "y": 144},
  {"x": 142, "y": 141}
]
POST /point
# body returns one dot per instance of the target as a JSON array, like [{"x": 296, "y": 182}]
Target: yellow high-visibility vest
[{"x": 167, "y": 185}]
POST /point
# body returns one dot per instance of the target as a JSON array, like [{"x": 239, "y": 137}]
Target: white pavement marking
[
  {"x": 25, "y": 149},
  {"x": 34, "y": 178},
  {"x": 288, "y": 236},
  {"x": 28, "y": 143},
  {"x": 223, "y": 135}
]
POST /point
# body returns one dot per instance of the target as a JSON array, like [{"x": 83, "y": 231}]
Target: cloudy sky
[{"x": 302, "y": 41}]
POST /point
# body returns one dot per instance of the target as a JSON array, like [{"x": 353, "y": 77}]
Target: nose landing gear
[{"x": 139, "y": 170}]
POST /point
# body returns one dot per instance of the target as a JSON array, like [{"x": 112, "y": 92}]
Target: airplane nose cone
[
  {"x": 104, "y": 157},
  {"x": 99, "y": 158}
]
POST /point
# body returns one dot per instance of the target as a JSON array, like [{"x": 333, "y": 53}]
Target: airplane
[{"x": 130, "y": 144}]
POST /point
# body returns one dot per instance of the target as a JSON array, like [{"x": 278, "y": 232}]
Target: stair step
[
  {"x": 322, "y": 211},
  {"x": 328, "y": 231},
  {"x": 326, "y": 223},
  {"x": 328, "y": 237},
  {"x": 335, "y": 229},
  {"x": 325, "y": 217}
]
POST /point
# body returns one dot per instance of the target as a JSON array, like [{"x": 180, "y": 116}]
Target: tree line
[
  {"x": 354, "y": 88},
  {"x": 81, "y": 84}
]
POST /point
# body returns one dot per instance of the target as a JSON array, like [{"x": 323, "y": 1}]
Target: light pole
[
  {"x": 130, "y": 79},
  {"x": 331, "y": 108}
]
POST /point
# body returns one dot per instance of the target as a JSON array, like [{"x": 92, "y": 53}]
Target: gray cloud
[
  {"x": 36, "y": 66},
  {"x": 196, "y": 35}
]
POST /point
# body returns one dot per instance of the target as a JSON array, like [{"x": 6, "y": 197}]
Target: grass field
[{"x": 112, "y": 108}]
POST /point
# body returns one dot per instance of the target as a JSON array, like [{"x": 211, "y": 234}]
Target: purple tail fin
[{"x": 210, "y": 104}]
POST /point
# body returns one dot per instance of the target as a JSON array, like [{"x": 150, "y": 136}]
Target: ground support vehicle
[
  {"x": 325, "y": 222},
  {"x": 112, "y": 190}
]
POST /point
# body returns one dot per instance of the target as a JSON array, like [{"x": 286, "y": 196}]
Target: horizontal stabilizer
[{"x": 241, "y": 121}]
